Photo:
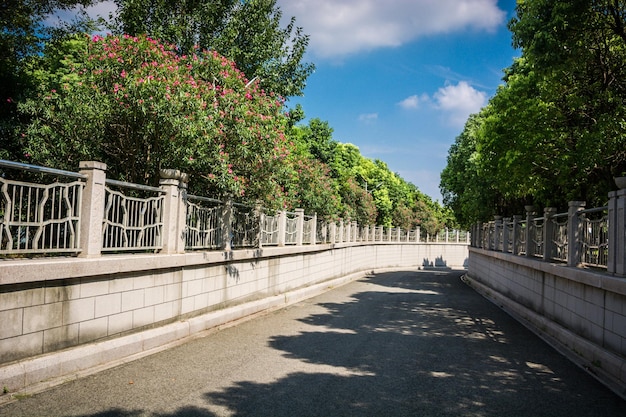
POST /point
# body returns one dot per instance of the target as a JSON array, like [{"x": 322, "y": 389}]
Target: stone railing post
[
  {"x": 260, "y": 219},
  {"x": 530, "y": 228},
  {"x": 299, "y": 226},
  {"x": 333, "y": 232},
  {"x": 355, "y": 231},
  {"x": 515, "y": 237},
  {"x": 227, "y": 224},
  {"x": 496, "y": 233},
  {"x": 174, "y": 211},
  {"x": 549, "y": 246},
  {"x": 418, "y": 231},
  {"x": 373, "y": 233},
  {"x": 340, "y": 232},
  {"x": 313, "y": 224},
  {"x": 617, "y": 233},
  {"x": 505, "y": 234},
  {"x": 282, "y": 227},
  {"x": 92, "y": 208},
  {"x": 574, "y": 232}
]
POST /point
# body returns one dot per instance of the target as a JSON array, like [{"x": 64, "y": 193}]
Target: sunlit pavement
[{"x": 410, "y": 343}]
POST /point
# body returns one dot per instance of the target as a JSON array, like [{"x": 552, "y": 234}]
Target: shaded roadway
[{"x": 410, "y": 343}]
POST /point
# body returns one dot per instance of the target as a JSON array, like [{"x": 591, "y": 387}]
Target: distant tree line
[
  {"x": 199, "y": 86},
  {"x": 555, "y": 131}
]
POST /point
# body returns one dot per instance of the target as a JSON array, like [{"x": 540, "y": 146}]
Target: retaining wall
[
  {"x": 581, "y": 312},
  {"x": 60, "y": 316}
]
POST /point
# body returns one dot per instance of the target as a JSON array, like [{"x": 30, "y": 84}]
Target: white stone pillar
[
  {"x": 313, "y": 224},
  {"x": 617, "y": 233},
  {"x": 174, "y": 213},
  {"x": 574, "y": 232},
  {"x": 282, "y": 228},
  {"x": 299, "y": 226},
  {"x": 227, "y": 225},
  {"x": 530, "y": 231},
  {"x": 92, "y": 208},
  {"x": 549, "y": 247}
]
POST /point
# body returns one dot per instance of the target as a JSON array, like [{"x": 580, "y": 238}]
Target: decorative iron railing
[
  {"x": 203, "y": 223},
  {"x": 132, "y": 223},
  {"x": 40, "y": 218},
  {"x": 578, "y": 238},
  {"x": 89, "y": 215}
]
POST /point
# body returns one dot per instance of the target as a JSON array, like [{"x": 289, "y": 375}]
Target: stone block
[
  {"x": 119, "y": 323},
  {"x": 24, "y": 298},
  {"x": 60, "y": 337},
  {"x": 133, "y": 300},
  {"x": 109, "y": 304},
  {"x": 143, "y": 317},
  {"x": 12, "y": 322},
  {"x": 42, "y": 317},
  {"x": 21, "y": 347},
  {"x": 154, "y": 295},
  {"x": 93, "y": 287},
  {"x": 62, "y": 292},
  {"x": 75, "y": 311},
  {"x": 91, "y": 330}
]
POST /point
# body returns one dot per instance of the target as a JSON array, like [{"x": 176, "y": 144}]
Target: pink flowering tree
[{"x": 138, "y": 106}]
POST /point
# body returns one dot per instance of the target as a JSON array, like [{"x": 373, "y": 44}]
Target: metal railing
[
  {"x": 132, "y": 223},
  {"x": 40, "y": 218},
  {"x": 594, "y": 237},
  {"x": 552, "y": 237},
  {"x": 203, "y": 223},
  {"x": 90, "y": 214}
]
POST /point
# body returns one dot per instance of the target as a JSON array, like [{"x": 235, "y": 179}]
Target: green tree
[
  {"x": 247, "y": 32},
  {"x": 136, "y": 105},
  {"x": 22, "y": 34}
]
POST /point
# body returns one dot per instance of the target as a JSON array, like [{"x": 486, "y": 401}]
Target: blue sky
[{"x": 398, "y": 78}]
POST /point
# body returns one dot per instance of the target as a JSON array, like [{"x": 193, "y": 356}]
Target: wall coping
[
  {"x": 20, "y": 271},
  {"x": 584, "y": 276}
]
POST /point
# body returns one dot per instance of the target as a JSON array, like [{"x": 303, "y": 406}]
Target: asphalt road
[{"x": 414, "y": 343}]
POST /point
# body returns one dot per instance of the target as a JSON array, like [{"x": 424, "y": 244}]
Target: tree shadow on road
[{"x": 420, "y": 343}]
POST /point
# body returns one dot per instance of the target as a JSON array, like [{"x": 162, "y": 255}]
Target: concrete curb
[
  {"x": 42, "y": 372},
  {"x": 606, "y": 367}
]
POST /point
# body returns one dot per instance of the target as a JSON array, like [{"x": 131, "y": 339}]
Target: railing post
[
  {"x": 496, "y": 234},
  {"x": 515, "y": 237},
  {"x": 530, "y": 226},
  {"x": 617, "y": 233},
  {"x": 549, "y": 245},
  {"x": 174, "y": 212},
  {"x": 574, "y": 230},
  {"x": 418, "y": 232},
  {"x": 299, "y": 226},
  {"x": 333, "y": 232},
  {"x": 282, "y": 227},
  {"x": 313, "y": 224},
  {"x": 366, "y": 232},
  {"x": 92, "y": 208},
  {"x": 505, "y": 234},
  {"x": 260, "y": 218},
  {"x": 227, "y": 225},
  {"x": 355, "y": 231}
]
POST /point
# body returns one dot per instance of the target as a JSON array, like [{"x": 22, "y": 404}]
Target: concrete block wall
[
  {"x": 581, "y": 311},
  {"x": 51, "y": 304}
]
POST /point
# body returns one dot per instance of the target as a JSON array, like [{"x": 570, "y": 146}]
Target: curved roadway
[{"x": 412, "y": 343}]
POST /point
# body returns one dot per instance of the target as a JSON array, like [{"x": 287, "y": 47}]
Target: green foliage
[
  {"x": 247, "y": 32},
  {"x": 136, "y": 105},
  {"x": 555, "y": 131}
]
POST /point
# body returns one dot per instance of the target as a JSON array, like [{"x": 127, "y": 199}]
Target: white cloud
[
  {"x": 341, "y": 27},
  {"x": 368, "y": 118},
  {"x": 413, "y": 102},
  {"x": 459, "y": 101}
]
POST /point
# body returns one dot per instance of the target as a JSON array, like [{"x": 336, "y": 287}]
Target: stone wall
[
  {"x": 581, "y": 312},
  {"x": 63, "y": 315}
]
